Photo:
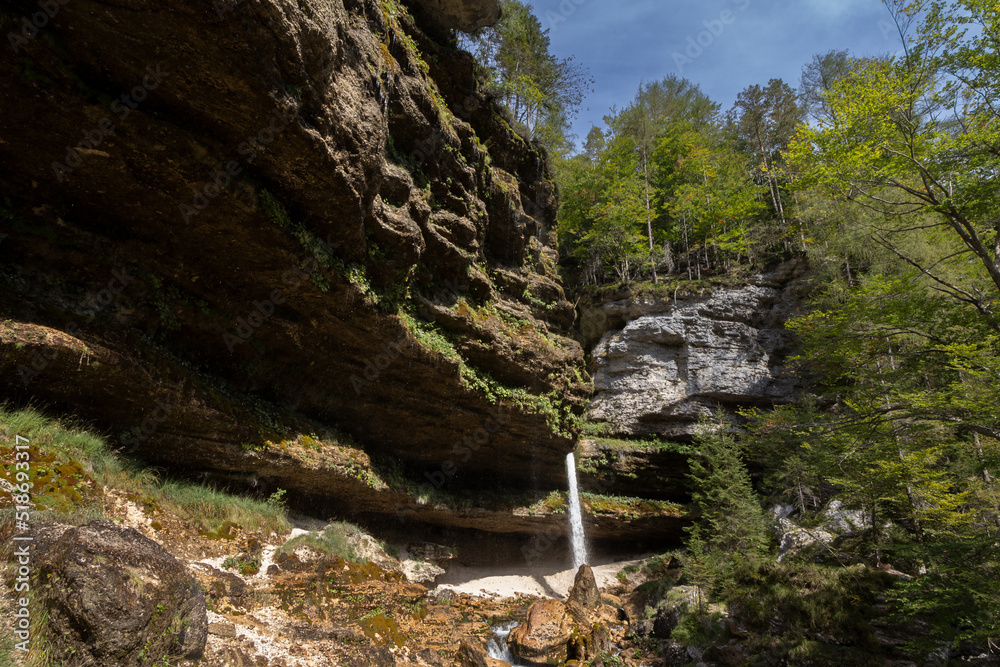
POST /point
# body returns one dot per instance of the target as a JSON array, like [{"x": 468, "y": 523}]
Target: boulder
[
  {"x": 430, "y": 552},
  {"x": 669, "y": 611},
  {"x": 116, "y": 598},
  {"x": 463, "y": 15},
  {"x": 584, "y": 590},
  {"x": 470, "y": 655},
  {"x": 792, "y": 539},
  {"x": 421, "y": 572},
  {"x": 544, "y": 636},
  {"x": 836, "y": 519}
]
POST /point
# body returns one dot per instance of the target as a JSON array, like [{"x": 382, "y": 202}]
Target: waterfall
[
  {"x": 575, "y": 515},
  {"x": 496, "y": 647}
]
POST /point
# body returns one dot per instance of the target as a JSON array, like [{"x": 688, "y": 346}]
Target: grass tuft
[
  {"x": 72, "y": 455},
  {"x": 334, "y": 540}
]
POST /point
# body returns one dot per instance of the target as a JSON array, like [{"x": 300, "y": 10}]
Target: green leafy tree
[
  {"x": 912, "y": 441},
  {"x": 895, "y": 144},
  {"x": 705, "y": 188},
  {"x": 644, "y": 120},
  {"x": 765, "y": 119},
  {"x": 666, "y": 139},
  {"x": 541, "y": 91},
  {"x": 818, "y": 78}
]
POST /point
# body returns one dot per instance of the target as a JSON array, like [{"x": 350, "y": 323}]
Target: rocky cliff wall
[
  {"x": 229, "y": 224},
  {"x": 661, "y": 362}
]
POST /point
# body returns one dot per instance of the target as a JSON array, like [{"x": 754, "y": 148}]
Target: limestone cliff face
[
  {"x": 224, "y": 222},
  {"x": 659, "y": 363}
]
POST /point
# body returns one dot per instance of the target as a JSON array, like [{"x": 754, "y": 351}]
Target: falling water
[
  {"x": 575, "y": 516},
  {"x": 496, "y": 647}
]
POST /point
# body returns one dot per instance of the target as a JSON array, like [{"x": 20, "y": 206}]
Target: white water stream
[
  {"x": 496, "y": 647},
  {"x": 575, "y": 515}
]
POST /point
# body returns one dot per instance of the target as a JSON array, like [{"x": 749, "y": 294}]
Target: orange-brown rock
[
  {"x": 471, "y": 655},
  {"x": 544, "y": 636}
]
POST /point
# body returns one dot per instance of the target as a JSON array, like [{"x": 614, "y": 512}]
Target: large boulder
[
  {"x": 115, "y": 598},
  {"x": 793, "y": 539},
  {"x": 464, "y": 15},
  {"x": 584, "y": 590},
  {"x": 543, "y": 638},
  {"x": 838, "y": 519}
]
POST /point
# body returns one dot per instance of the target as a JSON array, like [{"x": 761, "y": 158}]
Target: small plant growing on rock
[
  {"x": 245, "y": 564},
  {"x": 277, "y": 498},
  {"x": 333, "y": 540}
]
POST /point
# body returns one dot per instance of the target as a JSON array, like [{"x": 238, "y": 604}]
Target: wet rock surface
[{"x": 577, "y": 629}]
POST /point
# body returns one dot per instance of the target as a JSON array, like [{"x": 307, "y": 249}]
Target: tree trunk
[
  {"x": 649, "y": 214},
  {"x": 687, "y": 244},
  {"x": 771, "y": 182}
]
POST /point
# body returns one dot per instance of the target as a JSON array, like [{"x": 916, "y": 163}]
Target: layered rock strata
[
  {"x": 256, "y": 212},
  {"x": 660, "y": 363}
]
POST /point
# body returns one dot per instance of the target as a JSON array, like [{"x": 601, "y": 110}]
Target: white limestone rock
[{"x": 673, "y": 361}]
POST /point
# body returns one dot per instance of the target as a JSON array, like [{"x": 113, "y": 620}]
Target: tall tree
[
  {"x": 894, "y": 146},
  {"x": 765, "y": 119},
  {"x": 541, "y": 91},
  {"x": 644, "y": 120},
  {"x": 705, "y": 186},
  {"x": 731, "y": 529},
  {"x": 818, "y": 78}
]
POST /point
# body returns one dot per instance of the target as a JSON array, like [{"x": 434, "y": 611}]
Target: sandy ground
[{"x": 544, "y": 582}]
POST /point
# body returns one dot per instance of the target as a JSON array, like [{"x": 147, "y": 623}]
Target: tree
[
  {"x": 730, "y": 518},
  {"x": 705, "y": 187},
  {"x": 541, "y": 91},
  {"x": 765, "y": 120},
  {"x": 601, "y": 213},
  {"x": 920, "y": 134},
  {"x": 818, "y": 78},
  {"x": 600, "y": 184},
  {"x": 731, "y": 529},
  {"x": 654, "y": 106},
  {"x": 913, "y": 440}
]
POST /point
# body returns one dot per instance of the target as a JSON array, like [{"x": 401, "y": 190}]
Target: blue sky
[{"x": 722, "y": 45}]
